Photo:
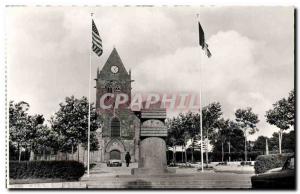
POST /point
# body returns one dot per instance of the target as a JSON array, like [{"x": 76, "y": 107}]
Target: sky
[{"x": 252, "y": 63}]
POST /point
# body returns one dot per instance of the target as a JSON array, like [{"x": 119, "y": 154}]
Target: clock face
[{"x": 114, "y": 69}]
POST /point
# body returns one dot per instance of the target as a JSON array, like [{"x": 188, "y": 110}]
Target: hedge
[
  {"x": 264, "y": 163},
  {"x": 212, "y": 156},
  {"x": 66, "y": 170}
]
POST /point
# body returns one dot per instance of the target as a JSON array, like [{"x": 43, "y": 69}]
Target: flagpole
[
  {"x": 89, "y": 116},
  {"x": 200, "y": 107},
  {"x": 200, "y": 110}
]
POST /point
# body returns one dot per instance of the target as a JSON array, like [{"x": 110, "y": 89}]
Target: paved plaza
[{"x": 103, "y": 177}]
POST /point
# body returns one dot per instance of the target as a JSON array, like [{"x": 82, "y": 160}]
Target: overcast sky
[{"x": 252, "y": 61}]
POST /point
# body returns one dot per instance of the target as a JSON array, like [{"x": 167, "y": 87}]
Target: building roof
[{"x": 114, "y": 59}]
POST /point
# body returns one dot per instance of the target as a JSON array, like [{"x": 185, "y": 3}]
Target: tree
[
  {"x": 223, "y": 133},
  {"x": 29, "y": 132},
  {"x": 191, "y": 125},
  {"x": 46, "y": 141},
  {"x": 260, "y": 143},
  {"x": 289, "y": 143},
  {"x": 233, "y": 136},
  {"x": 94, "y": 143},
  {"x": 42, "y": 139},
  {"x": 36, "y": 121},
  {"x": 247, "y": 120},
  {"x": 176, "y": 133},
  {"x": 282, "y": 115},
  {"x": 187, "y": 126},
  {"x": 195, "y": 144},
  {"x": 210, "y": 116},
  {"x": 227, "y": 131},
  {"x": 71, "y": 123},
  {"x": 22, "y": 126},
  {"x": 170, "y": 141},
  {"x": 236, "y": 139},
  {"x": 291, "y": 108},
  {"x": 18, "y": 124},
  {"x": 181, "y": 128}
]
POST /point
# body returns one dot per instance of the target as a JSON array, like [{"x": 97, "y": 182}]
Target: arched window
[
  {"x": 108, "y": 88},
  {"x": 115, "y": 127}
]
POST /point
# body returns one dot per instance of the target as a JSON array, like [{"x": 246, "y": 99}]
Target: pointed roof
[{"x": 114, "y": 59}]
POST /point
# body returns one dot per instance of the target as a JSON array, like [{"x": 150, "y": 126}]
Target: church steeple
[
  {"x": 113, "y": 78},
  {"x": 115, "y": 60}
]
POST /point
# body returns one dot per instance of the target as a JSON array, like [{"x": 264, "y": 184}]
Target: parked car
[
  {"x": 247, "y": 163},
  {"x": 277, "y": 178},
  {"x": 114, "y": 162}
]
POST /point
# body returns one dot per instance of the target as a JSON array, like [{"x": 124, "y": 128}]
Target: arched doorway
[
  {"x": 115, "y": 149},
  {"x": 115, "y": 155}
]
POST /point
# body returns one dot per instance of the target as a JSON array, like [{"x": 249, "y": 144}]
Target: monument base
[
  {"x": 152, "y": 158},
  {"x": 151, "y": 171}
]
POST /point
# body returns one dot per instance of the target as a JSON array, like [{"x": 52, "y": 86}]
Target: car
[
  {"x": 112, "y": 163},
  {"x": 277, "y": 178}
]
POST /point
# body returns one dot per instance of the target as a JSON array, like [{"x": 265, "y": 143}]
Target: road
[{"x": 184, "y": 178}]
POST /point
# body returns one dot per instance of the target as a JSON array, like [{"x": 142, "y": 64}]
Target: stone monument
[{"x": 152, "y": 145}]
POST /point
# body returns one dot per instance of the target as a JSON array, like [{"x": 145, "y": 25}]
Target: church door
[{"x": 115, "y": 155}]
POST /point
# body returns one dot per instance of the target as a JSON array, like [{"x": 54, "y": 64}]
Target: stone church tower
[{"x": 120, "y": 127}]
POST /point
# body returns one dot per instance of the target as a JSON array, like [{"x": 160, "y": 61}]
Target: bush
[
  {"x": 66, "y": 170},
  {"x": 264, "y": 163},
  {"x": 234, "y": 156}
]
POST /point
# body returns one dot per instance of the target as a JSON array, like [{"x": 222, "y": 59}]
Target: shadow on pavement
[{"x": 138, "y": 184}]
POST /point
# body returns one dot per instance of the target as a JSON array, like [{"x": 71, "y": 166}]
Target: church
[{"x": 120, "y": 127}]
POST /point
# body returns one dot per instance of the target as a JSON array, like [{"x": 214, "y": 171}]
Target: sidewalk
[{"x": 235, "y": 169}]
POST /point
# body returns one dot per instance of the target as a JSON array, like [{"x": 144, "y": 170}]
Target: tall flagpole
[
  {"x": 89, "y": 116},
  {"x": 200, "y": 107},
  {"x": 200, "y": 110}
]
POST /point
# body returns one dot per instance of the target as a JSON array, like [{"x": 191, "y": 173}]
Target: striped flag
[
  {"x": 202, "y": 41},
  {"x": 96, "y": 40}
]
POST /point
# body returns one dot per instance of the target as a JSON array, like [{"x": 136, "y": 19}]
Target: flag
[
  {"x": 96, "y": 40},
  {"x": 202, "y": 42}
]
